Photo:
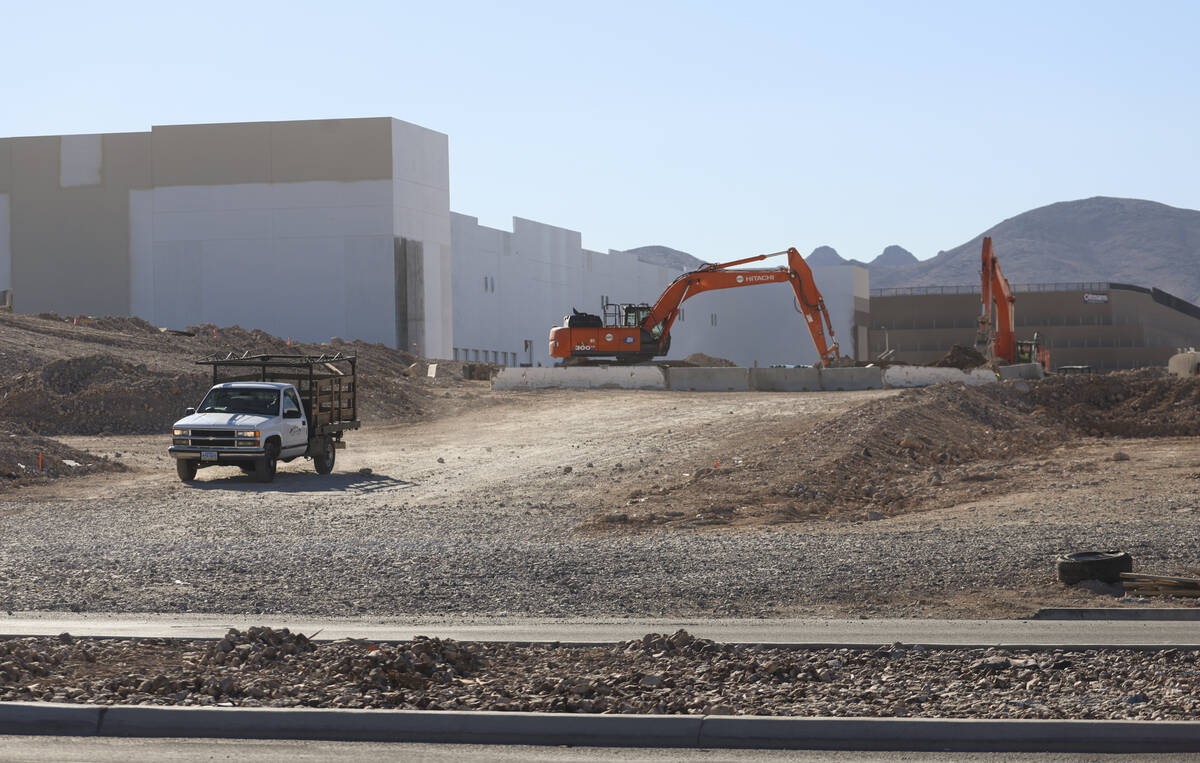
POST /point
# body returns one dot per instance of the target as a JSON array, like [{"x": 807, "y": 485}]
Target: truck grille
[{"x": 215, "y": 438}]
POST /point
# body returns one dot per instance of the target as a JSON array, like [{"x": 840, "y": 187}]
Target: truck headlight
[
  {"x": 179, "y": 432},
  {"x": 247, "y": 433}
]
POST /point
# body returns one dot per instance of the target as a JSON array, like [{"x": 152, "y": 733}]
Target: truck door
[{"x": 295, "y": 427}]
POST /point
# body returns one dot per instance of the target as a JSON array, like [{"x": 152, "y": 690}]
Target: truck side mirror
[
  {"x": 188, "y": 411},
  {"x": 291, "y": 413}
]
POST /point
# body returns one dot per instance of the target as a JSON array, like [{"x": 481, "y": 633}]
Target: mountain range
[{"x": 1098, "y": 239}]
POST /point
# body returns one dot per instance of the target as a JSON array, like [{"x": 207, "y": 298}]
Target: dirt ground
[
  {"x": 96, "y": 398},
  {"x": 563, "y": 453}
]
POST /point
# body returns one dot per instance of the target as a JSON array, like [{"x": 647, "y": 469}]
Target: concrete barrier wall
[
  {"x": 852, "y": 378},
  {"x": 709, "y": 379},
  {"x": 1021, "y": 371},
  {"x": 785, "y": 379},
  {"x": 746, "y": 379},
  {"x": 921, "y": 376},
  {"x": 598, "y": 377}
]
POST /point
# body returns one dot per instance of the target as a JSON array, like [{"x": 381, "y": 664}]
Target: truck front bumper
[{"x": 216, "y": 455}]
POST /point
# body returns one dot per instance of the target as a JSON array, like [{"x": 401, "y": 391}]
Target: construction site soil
[
  {"x": 657, "y": 674},
  {"x": 943, "y": 501},
  {"x": 920, "y": 450}
]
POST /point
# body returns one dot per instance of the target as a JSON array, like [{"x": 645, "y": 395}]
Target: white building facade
[
  {"x": 326, "y": 228},
  {"x": 303, "y": 229},
  {"x": 511, "y": 288}
]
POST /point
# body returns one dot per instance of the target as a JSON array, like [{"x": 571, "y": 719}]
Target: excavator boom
[
  {"x": 999, "y": 343},
  {"x": 649, "y": 335}
]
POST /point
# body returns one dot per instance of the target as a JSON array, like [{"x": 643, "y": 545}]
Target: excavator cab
[
  {"x": 628, "y": 316},
  {"x": 1033, "y": 351}
]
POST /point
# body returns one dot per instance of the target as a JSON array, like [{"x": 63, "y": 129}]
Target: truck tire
[
  {"x": 324, "y": 456},
  {"x": 186, "y": 469},
  {"x": 1094, "y": 565},
  {"x": 264, "y": 468}
]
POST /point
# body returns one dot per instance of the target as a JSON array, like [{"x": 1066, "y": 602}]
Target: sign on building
[{"x": 1092, "y": 298}]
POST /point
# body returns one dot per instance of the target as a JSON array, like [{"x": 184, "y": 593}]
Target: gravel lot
[
  {"x": 658, "y": 674},
  {"x": 476, "y": 512}
]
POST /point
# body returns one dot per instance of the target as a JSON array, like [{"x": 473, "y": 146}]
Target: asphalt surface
[{"x": 1073, "y": 633}]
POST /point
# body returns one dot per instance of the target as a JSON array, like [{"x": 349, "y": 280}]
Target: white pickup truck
[{"x": 286, "y": 407}]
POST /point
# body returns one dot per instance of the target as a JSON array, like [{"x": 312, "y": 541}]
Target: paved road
[
  {"x": 118, "y": 750},
  {"x": 807, "y": 631}
]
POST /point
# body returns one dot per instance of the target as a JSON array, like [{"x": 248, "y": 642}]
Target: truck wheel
[
  {"x": 186, "y": 469},
  {"x": 325, "y": 456},
  {"x": 264, "y": 468}
]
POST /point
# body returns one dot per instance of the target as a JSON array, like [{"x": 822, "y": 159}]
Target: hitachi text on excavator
[{"x": 635, "y": 333}]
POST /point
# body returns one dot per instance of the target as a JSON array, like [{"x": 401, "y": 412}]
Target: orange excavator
[
  {"x": 999, "y": 344},
  {"x": 632, "y": 333}
]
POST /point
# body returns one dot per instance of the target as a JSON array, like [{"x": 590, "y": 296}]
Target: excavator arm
[
  {"x": 999, "y": 343},
  {"x": 719, "y": 276}
]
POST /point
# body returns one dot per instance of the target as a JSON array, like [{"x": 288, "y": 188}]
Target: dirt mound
[
  {"x": 884, "y": 458},
  {"x": 123, "y": 323},
  {"x": 119, "y": 374},
  {"x": 98, "y": 394},
  {"x": 19, "y": 450},
  {"x": 922, "y": 449},
  {"x": 700, "y": 360},
  {"x": 1143, "y": 403},
  {"x": 384, "y": 391},
  {"x": 962, "y": 358},
  {"x": 74, "y": 375}
]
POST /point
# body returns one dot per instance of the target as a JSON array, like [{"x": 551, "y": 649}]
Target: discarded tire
[{"x": 1094, "y": 565}]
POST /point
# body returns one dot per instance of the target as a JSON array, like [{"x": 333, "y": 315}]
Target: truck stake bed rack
[{"x": 328, "y": 391}]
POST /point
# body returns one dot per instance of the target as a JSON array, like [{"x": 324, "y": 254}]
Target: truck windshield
[{"x": 241, "y": 400}]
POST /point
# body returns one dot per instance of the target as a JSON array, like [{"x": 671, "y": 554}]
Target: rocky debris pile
[
  {"x": 119, "y": 323},
  {"x": 19, "y": 451},
  {"x": 99, "y": 394},
  {"x": 121, "y": 375},
  {"x": 387, "y": 389},
  {"x": 1147, "y": 402},
  {"x": 258, "y": 666},
  {"x": 657, "y": 674},
  {"x": 962, "y": 358},
  {"x": 700, "y": 360}
]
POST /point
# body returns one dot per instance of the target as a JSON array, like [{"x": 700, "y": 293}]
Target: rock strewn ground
[
  {"x": 658, "y": 674},
  {"x": 20, "y": 449}
]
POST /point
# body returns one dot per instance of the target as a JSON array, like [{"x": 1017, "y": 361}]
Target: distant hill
[
  {"x": 1098, "y": 239},
  {"x": 893, "y": 256},
  {"x": 825, "y": 255},
  {"x": 664, "y": 256}
]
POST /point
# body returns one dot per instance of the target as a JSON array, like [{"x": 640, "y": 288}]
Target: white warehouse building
[{"x": 324, "y": 228}]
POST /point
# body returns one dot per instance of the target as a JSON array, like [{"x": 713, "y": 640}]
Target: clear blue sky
[{"x": 723, "y": 129}]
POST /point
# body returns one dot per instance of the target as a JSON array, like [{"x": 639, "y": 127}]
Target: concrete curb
[
  {"x": 954, "y": 735},
  {"x": 950, "y": 735},
  {"x": 1117, "y": 613},
  {"x": 49, "y": 718}
]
